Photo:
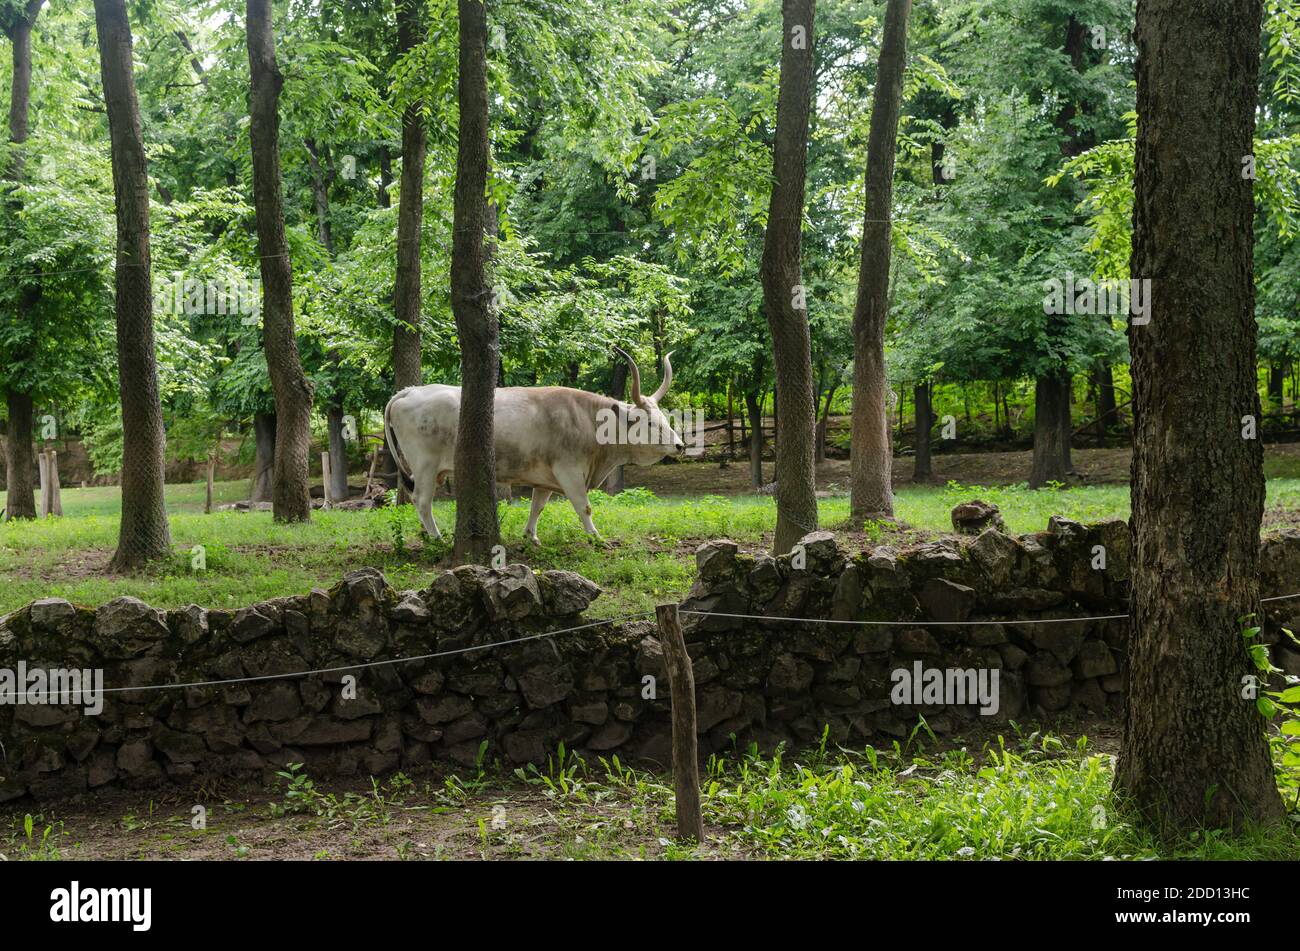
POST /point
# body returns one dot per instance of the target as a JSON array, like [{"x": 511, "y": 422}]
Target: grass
[
  {"x": 1034, "y": 796},
  {"x": 647, "y": 556}
]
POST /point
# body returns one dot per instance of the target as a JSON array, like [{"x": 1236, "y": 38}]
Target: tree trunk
[
  {"x": 477, "y": 530},
  {"x": 290, "y": 493},
  {"x": 824, "y": 423},
  {"x": 783, "y": 292},
  {"x": 924, "y": 421},
  {"x": 754, "y": 409},
  {"x": 615, "y": 482},
  {"x": 338, "y": 449},
  {"x": 20, "y": 460},
  {"x": 410, "y": 216},
  {"x": 320, "y": 191},
  {"x": 1275, "y": 379},
  {"x": 1104, "y": 379},
  {"x": 1194, "y": 752},
  {"x": 1066, "y": 420},
  {"x": 263, "y": 457},
  {"x": 871, "y": 449},
  {"x": 144, "y": 534},
  {"x": 1049, "y": 458}
]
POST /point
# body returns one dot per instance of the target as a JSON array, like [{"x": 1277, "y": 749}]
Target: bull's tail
[{"x": 403, "y": 467}]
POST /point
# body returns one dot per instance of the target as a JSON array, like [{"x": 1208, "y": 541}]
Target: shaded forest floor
[{"x": 1014, "y": 795}]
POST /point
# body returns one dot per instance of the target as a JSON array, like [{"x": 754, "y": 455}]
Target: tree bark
[
  {"x": 410, "y": 216},
  {"x": 320, "y": 191},
  {"x": 1104, "y": 379},
  {"x": 753, "y": 408},
  {"x": 20, "y": 460},
  {"x": 783, "y": 292},
  {"x": 1194, "y": 752},
  {"x": 338, "y": 450},
  {"x": 1275, "y": 378},
  {"x": 1066, "y": 420},
  {"x": 477, "y": 530},
  {"x": 871, "y": 449},
  {"x": 144, "y": 535},
  {"x": 615, "y": 482},
  {"x": 290, "y": 494},
  {"x": 263, "y": 457},
  {"x": 1048, "y": 463},
  {"x": 924, "y": 421}
]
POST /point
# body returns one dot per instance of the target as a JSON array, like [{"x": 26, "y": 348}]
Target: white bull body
[{"x": 552, "y": 438}]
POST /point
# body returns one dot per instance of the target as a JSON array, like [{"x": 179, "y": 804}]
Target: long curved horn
[
  {"x": 668, "y": 378},
  {"x": 636, "y": 374}
]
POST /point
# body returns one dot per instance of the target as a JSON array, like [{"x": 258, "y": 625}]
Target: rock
[
  {"x": 127, "y": 626},
  {"x": 846, "y": 601},
  {"x": 916, "y": 640},
  {"x": 411, "y": 609},
  {"x": 716, "y": 704},
  {"x": 1094, "y": 660},
  {"x": 275, "y": 702},
  {"x": 945, "y": 600},
  {"x": 51, "y": 614},
  {"x": 512, "y": 593},
  {"x": 995, "y": 554},
  {"x": 821, "y": 551},
  {"x": 789, "y": 675},
  {"x": 716, "y": 560},
  {"x": 613, "y": 734},
  {"x": 252, "y": 623},
  {"x": 1044, "y": 670},
  {"x": 442, "y": 709},
  {"x": 594, "y": 713},
  {"x": 566, "y": 593},
  {"x": 971, "y": 518},
  {"x": 1066, "y": 529}
]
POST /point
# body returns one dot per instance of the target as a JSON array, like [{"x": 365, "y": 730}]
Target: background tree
[
  {"x": 291, "y": 499},
  {"x": 477, "y": 530},
  {"x": 145, "y": 534},
  {"x": 16, "y": 20},
  {"x": 784, "y": 296},
  {"x": 872, "y": 449},
  {"x": 1194, "y": 751}
]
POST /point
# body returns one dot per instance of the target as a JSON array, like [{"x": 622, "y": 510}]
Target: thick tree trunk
[
  {"x": 144, "y": 535},
  {"x": 871, "y": 449},
  {"x": 338, "y": 450},
  {"x": 477, "y": 530},
  {"x": 1049, "y": 457},
  {"x": 924, "y": 421},
  {"x": 1275, "y": 378},
  {"x": 783, "y": 292},
  {"x": 20, "y": 460},
  {"x": 291, "y": 497},
  {"x": 263, "y": 457},
  {"x": 1194, "y": 752},
  {"x": 615, "y": 482},
  {"x": 410, "y": 216}
]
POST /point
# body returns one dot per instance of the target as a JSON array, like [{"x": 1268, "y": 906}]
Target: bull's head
[{"x": 650, "y": 434}]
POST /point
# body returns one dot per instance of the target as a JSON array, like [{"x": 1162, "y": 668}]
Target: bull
[{"x": 552, "y": 438}]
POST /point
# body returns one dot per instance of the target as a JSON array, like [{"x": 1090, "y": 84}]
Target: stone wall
[{"x": 768, "y": 680}]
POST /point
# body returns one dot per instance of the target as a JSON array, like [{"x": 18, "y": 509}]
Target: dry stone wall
[{"x": 599, "y": 690}]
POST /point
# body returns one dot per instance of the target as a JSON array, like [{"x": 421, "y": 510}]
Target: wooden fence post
[
  {"x": 56, "y": 493},
  {"x": 325, "y": 477},
  {"x": 43, "y": 463},
  {"x": 212, "y": 465},
  {"x": 370, "y": 476},
  {"x": 686, "y": 763}
]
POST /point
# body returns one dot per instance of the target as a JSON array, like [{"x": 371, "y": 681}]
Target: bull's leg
[
  {"x": 426, "y": 483},
  {"x": 575, "y": 487},
  {"x": 540, "y": 498}
]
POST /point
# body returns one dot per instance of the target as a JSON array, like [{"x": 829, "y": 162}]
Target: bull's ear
[
  {"x": 668, "y": 379},
  {"x": 636, "y": 374}
]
